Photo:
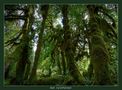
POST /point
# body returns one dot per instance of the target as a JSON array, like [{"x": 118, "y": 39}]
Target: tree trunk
[
  {"x": 27, "y": 71},
  {"x": 63, "y": 63},
  {"x": 24, "y": 46},
  {"x": 68, "y": 47},
  {"x": 99, "y": 53},
  {"x": 58, "y": 63},
  {"x": 90, "y": 71},
  {"x": 44, "y": 10}
]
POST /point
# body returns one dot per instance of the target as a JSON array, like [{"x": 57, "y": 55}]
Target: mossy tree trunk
[
  {"x": 73, "y": 70},
  {"x": 90, "y": 71},
  {"x": 24, "y": 46},
  {"x": 58, "y": 61},
  {"x": 99, "y": 53},
  {"x": 63, "y": 63},
  {"x": 44, "y": 10}
]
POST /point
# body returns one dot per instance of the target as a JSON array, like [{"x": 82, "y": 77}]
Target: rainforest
[{"x": 53, "y": 44}]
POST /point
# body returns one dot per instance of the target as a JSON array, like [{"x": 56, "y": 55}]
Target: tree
[
  {"x": 100, "y": 57},
  {"x": 24, "y": 46},
  {"x": 44, "y": 10},
  {"x": 68, "y": 46}
]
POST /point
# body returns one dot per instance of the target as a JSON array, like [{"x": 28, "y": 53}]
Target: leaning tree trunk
[
  {"x": 44, "y": 10},
  {"x": 99, "y": 53},
  {"x": 24, "y": 46},
  {"x": 68, "y": 49}
]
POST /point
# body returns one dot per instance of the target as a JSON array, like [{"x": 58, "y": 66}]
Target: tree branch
[{"x": 14, "y": 17}]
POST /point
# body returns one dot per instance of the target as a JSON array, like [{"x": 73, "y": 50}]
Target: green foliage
[{"x": 76, "y": 46}]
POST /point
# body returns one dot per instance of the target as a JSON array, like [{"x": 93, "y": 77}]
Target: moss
[
  {"x": 73, "y": 70},
  {"x": 100, "y": 60}
]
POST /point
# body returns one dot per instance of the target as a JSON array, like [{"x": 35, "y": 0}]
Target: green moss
[{"x": 100, "y": 59}]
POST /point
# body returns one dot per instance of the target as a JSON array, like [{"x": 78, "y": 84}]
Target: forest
[{"x": 53, "y": 44}]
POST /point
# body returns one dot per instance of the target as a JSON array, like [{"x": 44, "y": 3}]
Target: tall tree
[
  {"x": 68, "y": 46},
  {"x": 99, "y": 54},
  {"x": 24, "y": 46},
  {"x": 44, "y": 10}
]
